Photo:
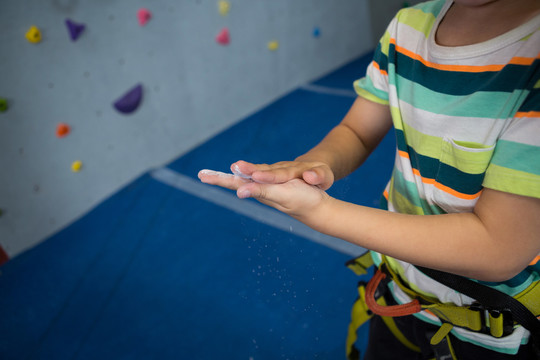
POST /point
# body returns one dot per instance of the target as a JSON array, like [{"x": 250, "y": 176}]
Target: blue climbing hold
[
  {"x": 75, "y": 29},
  {"x": 130, "y": 100},
  {"x": 316, "y": 32}
]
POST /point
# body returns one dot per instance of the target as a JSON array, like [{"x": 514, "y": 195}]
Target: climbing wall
[{"x": 93, "y": 93}]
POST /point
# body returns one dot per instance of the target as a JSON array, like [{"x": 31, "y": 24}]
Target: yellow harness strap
[{"x": 472, "y": 317}]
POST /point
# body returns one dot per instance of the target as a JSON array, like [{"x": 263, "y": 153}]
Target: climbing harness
[{"x": 493, "y": 312}]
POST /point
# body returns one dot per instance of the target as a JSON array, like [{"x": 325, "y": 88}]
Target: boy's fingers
[
  {"x": 282, "y": 172},
  {"x": 263, "y": 192},
  {"x": 218, "y": 178},
  {"x": 319, "y": 177}
]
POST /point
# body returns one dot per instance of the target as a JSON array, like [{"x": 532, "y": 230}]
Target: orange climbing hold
[{"x": 62, "y": 130}]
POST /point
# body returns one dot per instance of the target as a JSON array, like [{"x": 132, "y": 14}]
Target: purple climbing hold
[
  {"x": 75, "y": 29},
  {"x": 130, "y": 100}
]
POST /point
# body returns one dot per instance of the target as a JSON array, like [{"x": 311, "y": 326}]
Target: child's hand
[
  {"x": 313, "y": 173},
  {"x": 295, "y": 197}
]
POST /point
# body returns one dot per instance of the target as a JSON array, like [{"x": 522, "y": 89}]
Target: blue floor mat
[{"x": 154, "y": 272}]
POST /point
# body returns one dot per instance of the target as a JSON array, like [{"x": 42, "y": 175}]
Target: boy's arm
[
  {"x": 493, "y": 243},
  {"x": 344, "y": 149}
]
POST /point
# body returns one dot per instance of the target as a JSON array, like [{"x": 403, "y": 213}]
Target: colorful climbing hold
[
  {"x": 130, "y": 100},
  {"x": 76, "y": 166},
  {"x": 33, "y": 34},
  {"x": 316, "y": 32},
  {"x": 223, "y": 37},
  {"x": 224, "y": 7},
  {"x": 143, "y": 15},
  {"x": 3, "y": 105},
  {"x": 273, "y": 45},
  {"x": 75, "y": 29},
  {"x": 62, "y": 130}
]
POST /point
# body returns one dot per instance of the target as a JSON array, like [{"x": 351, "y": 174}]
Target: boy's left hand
[{"x": 295, "y": 197}]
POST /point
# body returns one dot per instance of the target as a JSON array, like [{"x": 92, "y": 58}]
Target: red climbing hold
[
  {"x": 223, "y": 37},
  {"x": 130, "y": 100},
  {"x": 144, "y": 16}
]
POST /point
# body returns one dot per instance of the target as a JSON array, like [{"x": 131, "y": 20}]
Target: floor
[{"x": 169, "y": 268}]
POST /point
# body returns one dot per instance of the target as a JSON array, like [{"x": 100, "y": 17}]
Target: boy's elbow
[{"x": 500, "y": 269}]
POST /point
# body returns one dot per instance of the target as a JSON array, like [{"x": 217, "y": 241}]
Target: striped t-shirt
[{"x": 465, "y": 118}]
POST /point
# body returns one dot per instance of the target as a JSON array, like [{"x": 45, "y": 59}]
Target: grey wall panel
[{"x": 193, "y": 89}]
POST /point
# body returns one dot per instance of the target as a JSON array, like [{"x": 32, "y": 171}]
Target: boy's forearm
[
  {"x": 456, "y": 243},
  {"x": 349, "y": 144},
  {"x": 341, "y": 150}
]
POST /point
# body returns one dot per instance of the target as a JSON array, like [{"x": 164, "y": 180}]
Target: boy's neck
[{"x": 469, "y": 22}]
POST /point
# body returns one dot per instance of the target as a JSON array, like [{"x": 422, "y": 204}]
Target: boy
[{"x": 460, "y": 82}]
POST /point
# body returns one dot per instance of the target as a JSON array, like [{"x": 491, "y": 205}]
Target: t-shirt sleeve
[
  {"x": 374, "y": 86},
  {"x": 515, "y": 165}
]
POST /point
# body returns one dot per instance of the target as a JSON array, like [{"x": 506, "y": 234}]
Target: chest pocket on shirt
[{"x": 460, "y": 174}]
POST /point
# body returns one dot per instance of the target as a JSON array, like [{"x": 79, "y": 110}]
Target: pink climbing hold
[
  {"x": 129, "y": 102},
  {"x": 223, "y": 37},
  {"x": 144, "y": 16},
  {"x": 75, "y": 29}
]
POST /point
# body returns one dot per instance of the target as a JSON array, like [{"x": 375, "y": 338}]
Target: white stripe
[
  {"x": 329, "y": 91},
  {"x": 252, "y": 210}
]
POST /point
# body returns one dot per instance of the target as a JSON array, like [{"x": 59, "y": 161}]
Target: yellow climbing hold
[
  {"x": 33, "y": 34},
  {"x": 76, "y": 166},
  {"x": 273, "y": 45},
  {"x": 224, "y": 7}
]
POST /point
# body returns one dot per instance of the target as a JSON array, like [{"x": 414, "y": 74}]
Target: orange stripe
[
  {"x": 376, "y": 66},
  {"x": 462, "y": 68},
  {"x": 536, "y": 259},
  {"x": 445, "y": 188},
  {"x": 403, "y": 154},
  {"x": 518, "y": 60},
  {"x": 385, "y": 194},
  {"x": 528, "y": 114}
]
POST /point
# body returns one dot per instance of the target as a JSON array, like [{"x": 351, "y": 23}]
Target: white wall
[{"x": 193, "y": 89}]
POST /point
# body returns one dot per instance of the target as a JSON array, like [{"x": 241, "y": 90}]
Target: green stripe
[
  {"x": 385, "y": 43},
  {"x": 423, "y": 144},
  {"x": 510, "y": 78},
  {"x": 403, "y": 204},
  {"x": 431, "y": 167},
  {"x": 518, "y": 156},
  {"x": 417, "y": 19},
  {"x": 471, "y": 158},
  {"x": 479, "y": 104},
  {"x": 421, "y": 206},
  {"x": 365, "y": 88},
  {"x": 512, "y": 181},
  {"x": 432, "y": 7},
  {"x": 515, "y": 285},
  {"x": 532, "y": 102}
]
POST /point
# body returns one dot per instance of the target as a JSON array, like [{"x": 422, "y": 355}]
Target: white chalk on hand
[
  {"x": 222, "y": 174},
  {"x": 236, "y": 171},
  {"x": 214, "y": 173}
]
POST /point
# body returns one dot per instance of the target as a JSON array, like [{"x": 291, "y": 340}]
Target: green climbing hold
[{"x": 3, "y": 105}]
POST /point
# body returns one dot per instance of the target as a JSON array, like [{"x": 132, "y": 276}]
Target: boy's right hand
[{"x": 314, "y": 173}]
